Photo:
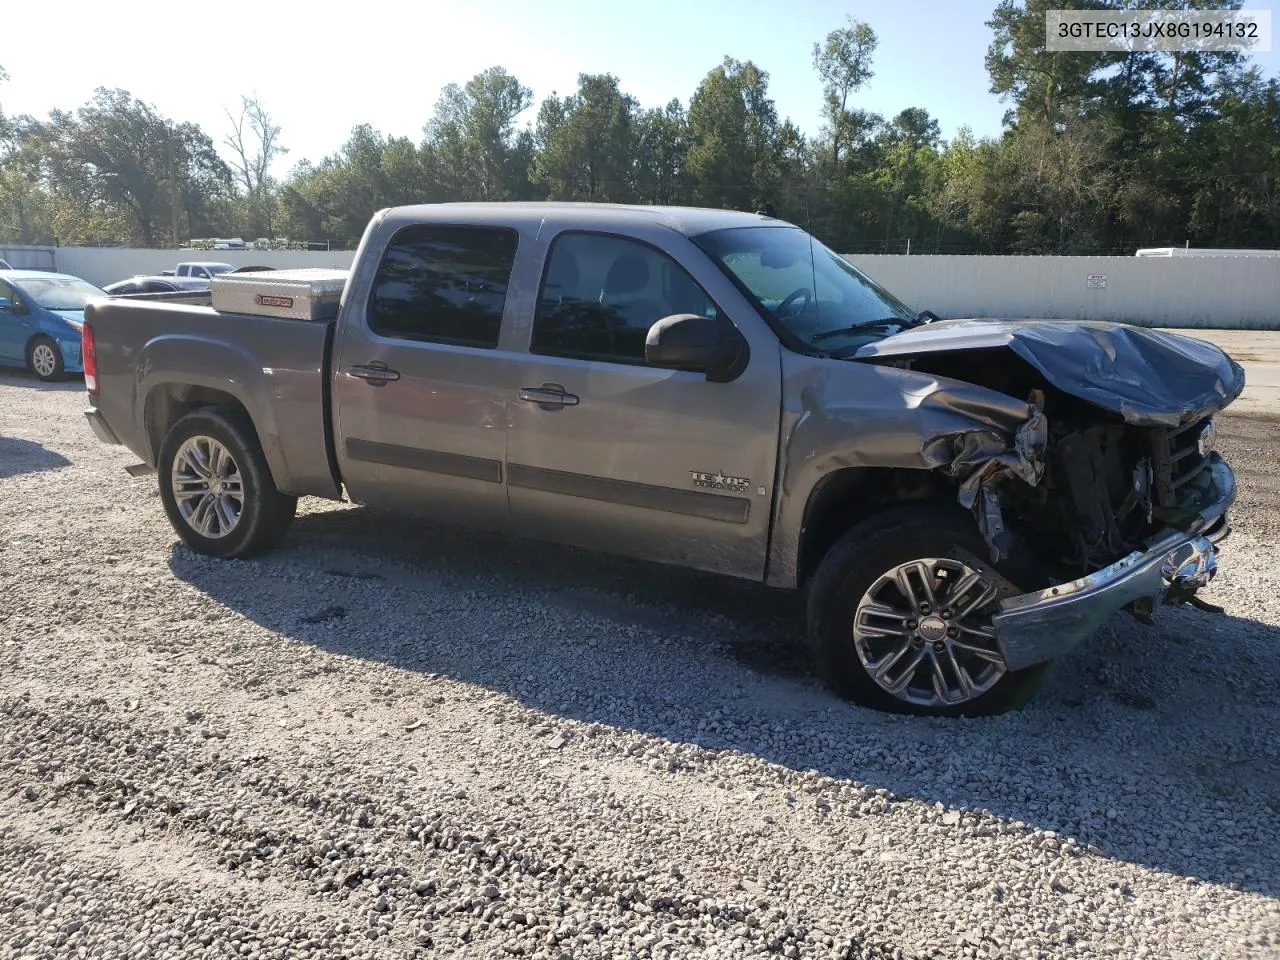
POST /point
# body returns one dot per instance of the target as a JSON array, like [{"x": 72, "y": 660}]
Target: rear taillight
[{"x": 89, "y": 358}]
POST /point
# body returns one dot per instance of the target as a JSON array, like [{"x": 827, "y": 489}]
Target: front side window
[
  {"x": 443, "y": 284},
  {"x": 601, "y": 294},
  {"x": 816, "y": 296}
]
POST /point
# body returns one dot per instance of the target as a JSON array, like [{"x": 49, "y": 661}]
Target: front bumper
[
  {"x": 71, "y": 362},
  {"x": 1049, "y": 623}
]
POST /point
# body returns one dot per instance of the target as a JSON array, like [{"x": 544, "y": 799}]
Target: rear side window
[
  {"x": 601, "y": 294},
  {"x": 443, "y": 284}
]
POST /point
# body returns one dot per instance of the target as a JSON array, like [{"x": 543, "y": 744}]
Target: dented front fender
[{"x": 837, "y": 415}]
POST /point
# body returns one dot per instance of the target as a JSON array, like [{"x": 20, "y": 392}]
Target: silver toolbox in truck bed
[{"x": 309, "y": 293}]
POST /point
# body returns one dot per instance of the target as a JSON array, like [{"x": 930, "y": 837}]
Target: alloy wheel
[{"x": 923, "y": 632}]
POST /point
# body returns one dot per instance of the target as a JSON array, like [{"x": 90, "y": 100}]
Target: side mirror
[
  {"x": 688, "y": 341},
  {"x": 14, "y": 307}
]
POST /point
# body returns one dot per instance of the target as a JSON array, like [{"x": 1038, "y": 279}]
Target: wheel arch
[
  {"x": 844, "y": 498},
  {"x": 38, "y": 335},
  {"x": 167, "y": 403}
]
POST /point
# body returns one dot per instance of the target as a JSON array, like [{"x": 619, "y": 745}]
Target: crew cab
[{"x": 964, "y": 501}]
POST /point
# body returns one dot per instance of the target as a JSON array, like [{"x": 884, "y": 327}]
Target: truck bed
[{"x": 156, "y": 359}]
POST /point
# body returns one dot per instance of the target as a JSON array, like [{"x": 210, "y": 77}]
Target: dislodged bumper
[
  {"x": 101, "y": 429},
  {"x": 1047, "y": 624}
]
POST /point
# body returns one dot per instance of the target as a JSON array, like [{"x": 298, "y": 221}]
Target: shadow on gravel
[
  {"x": 25, "y": 456},
  {"x": 1148, "y": 745},
  {"x": 18, "y": 377}
]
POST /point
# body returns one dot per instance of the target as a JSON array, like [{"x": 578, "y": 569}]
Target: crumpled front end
[
  {"x": 1109, "y": 489},
  {"x": 1169, "y": 567}
]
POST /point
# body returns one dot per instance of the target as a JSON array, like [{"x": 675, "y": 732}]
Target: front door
[
  {"x": 609, "y": 453},
  {"x": 420, "y": 386},
  {"x": 15, "y": 327}
]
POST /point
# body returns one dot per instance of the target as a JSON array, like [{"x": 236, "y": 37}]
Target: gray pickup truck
[{"x": 965, "y": 501}]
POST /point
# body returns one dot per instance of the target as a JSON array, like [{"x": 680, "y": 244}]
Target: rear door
[
  {"x": 420, "y": 386},
  {"x": 610, "y": 453}
]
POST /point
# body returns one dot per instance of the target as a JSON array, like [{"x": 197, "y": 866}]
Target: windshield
[
  {"x": 816, "y": 296},
  {"x": 218, "y": 268},
  {"x": 58, "y": 293}
]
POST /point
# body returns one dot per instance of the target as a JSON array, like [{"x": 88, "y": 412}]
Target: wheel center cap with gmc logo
[{"x": 933, "y": 628}]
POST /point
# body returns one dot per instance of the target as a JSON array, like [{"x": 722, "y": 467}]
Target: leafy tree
[
  {"x": 587, "y": 142},
  {"x": 663, "y": 150},
  {"x": 155, "y": 178},
  {"x": 1099, "y": 152},
  {"x": 740, "y": 156},
  {"x": 477, "y": 150},
  {"x": 1046, "y": 86},
  {"x": 844, "y": 64}
]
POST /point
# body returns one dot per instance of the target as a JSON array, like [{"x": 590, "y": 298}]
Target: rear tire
[
  {"x": 44, "y": 359},
  {"x": 855, "y": 638},
  {"x": 217, "y": 488}
]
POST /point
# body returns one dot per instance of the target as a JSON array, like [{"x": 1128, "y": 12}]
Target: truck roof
[{"x": 690, "y": 221}]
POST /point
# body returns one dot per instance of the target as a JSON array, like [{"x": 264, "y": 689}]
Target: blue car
[{"x": 40, "y": 319}]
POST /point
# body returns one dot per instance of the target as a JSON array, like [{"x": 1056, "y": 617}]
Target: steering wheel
[{"x": 799, "y": 291}]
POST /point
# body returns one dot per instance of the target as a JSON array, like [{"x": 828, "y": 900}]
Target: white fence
[{"x": 1221, "y": 292}]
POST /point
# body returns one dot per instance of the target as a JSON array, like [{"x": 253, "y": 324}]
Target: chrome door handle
[
  {"x": 376, "y": 374},
  {"x": 548, "y": 395}
]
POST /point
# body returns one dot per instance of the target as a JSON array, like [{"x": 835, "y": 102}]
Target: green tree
[
  {"x": 740, "y": 156},
  {"x": 843, "y": 62},
  {"x": 154, "y": 179},
  {"x": 334, "y": 199},
  {"x": 478, "y": 152},
  {"x": 1044, "y": 85},
  {"x": 587, "y": 142},
  {"x": 663, "y": 145}
]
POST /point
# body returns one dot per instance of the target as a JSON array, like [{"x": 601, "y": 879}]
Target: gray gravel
[{"x": 392, "y": 740}]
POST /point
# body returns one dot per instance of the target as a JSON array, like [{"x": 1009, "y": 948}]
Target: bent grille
[{"x": 1175, "y": 460}]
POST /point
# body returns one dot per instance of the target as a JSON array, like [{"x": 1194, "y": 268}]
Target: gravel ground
[{"x": 392, "y": 740}]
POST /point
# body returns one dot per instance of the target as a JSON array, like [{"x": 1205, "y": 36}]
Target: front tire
[
  {"x": 900, "y": 618},
  {"x": 217, "y": 488},
  {"x": 44, "y": 359}
]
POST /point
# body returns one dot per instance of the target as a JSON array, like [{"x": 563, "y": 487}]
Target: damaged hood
[{"x": 1149, "y": 377}]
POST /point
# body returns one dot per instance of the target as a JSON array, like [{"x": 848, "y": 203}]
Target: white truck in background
[{"x": 199, "y": 269}]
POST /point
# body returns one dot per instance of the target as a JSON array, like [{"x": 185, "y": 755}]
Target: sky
[{"x": 321, "y": 69}]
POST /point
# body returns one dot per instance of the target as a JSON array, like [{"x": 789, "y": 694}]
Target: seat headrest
[
  {"x": 563, "y": 274},
  {"x": 629, "y": 273}
]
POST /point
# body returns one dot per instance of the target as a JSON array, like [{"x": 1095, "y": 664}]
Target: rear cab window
[{"x": 443, "y": 283}]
